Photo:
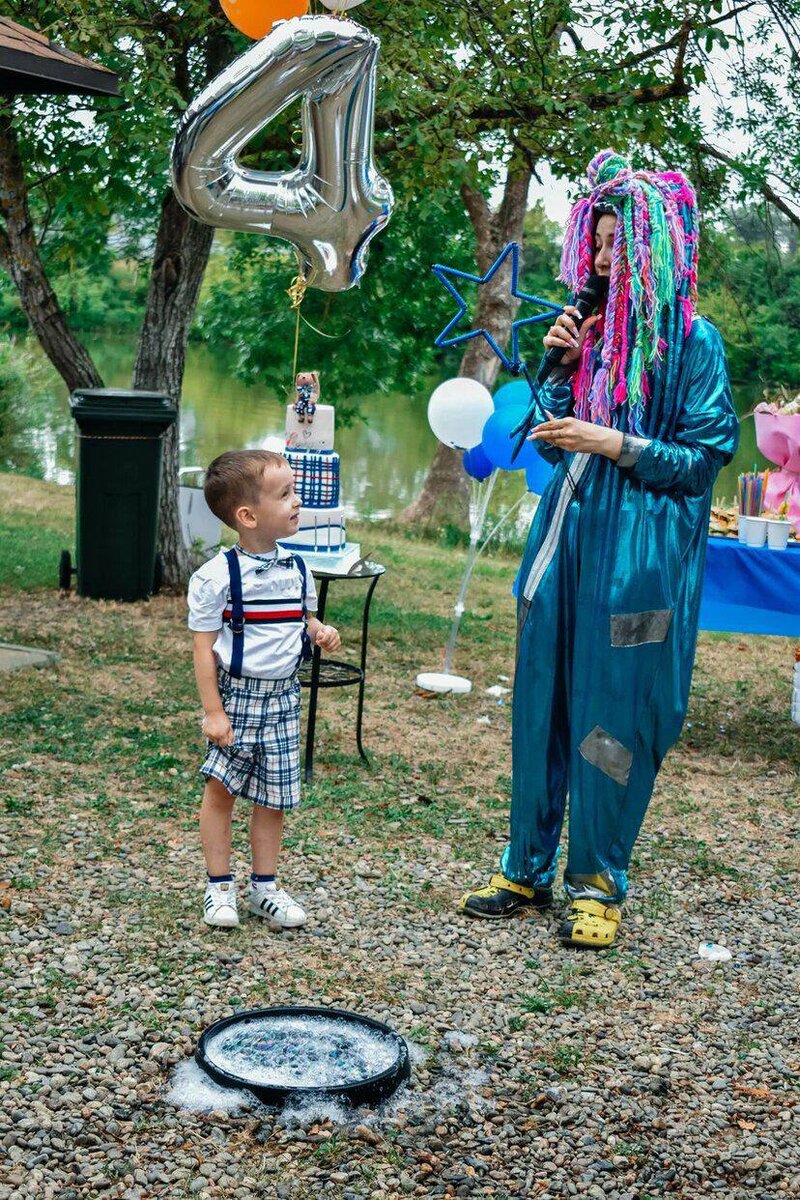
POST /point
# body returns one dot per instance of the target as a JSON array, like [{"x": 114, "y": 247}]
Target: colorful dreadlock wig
[{"x": 652, "y": 289}]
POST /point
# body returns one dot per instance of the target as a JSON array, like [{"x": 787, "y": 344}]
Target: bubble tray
[{"x": 285, "y": 1054}]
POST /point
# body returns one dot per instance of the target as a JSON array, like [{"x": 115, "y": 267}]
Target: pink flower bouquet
[{"x": 778, "y": 438}]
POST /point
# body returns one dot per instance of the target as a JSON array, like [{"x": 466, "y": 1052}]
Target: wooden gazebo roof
[{"x": 31, "y": 65}]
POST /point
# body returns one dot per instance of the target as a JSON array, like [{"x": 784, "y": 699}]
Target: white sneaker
[
  {"x": 275, "y": 906},
  {"x": 219, "y": 905}
]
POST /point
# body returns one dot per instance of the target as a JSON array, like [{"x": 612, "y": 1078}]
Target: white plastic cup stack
[
  {"x": 742, "y": 527},
  {"x": 778, "y": 534},
  {"x": 756, "y": 533}
]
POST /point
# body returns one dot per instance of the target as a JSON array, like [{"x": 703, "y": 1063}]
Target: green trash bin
[{"x": 119, "y": 481}]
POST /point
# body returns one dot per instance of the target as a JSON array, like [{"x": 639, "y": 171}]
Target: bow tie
[
  {"x": 267, "y": 561},
  {"x": 274, "y": 562}
]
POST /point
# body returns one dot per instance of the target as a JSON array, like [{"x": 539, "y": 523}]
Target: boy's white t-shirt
[{"x": 273, "y": 612}]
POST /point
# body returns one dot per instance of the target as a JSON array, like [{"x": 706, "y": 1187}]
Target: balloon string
[
  {"x": 296, "y": 292},
  {"x": 334, "y": 337}
]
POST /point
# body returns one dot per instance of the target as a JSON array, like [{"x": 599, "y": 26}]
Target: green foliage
[
  {"x": 483, "y": 90},
  {"x": 541, "y": 253},
  {"x": 547, "y": 80},
  {"x": 98, "y": 168},
  {"x": 399, "y": 302},
  {"x": 23, "y": 383},
  {"x": 106, "y": 294},
  {"x": 376, "y": 337},
  {"x": 750, "y": 288}
]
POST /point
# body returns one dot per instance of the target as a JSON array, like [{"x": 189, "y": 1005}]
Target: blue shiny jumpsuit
[{"x": 608, "y": 603}]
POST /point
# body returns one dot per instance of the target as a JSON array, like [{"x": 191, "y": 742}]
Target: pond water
[{"x": 385, "y": 454}]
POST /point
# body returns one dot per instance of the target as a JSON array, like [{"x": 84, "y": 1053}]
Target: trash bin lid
[{"x": 120, "y": 404}]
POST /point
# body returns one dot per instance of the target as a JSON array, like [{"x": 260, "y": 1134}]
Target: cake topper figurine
[{"x": 307, "y": 387}]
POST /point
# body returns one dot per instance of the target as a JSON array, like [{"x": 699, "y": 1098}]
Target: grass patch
[
  {"x": 29, "y": 555},
  {"x": 552, "y": 999},
  {"x": 35, "y": 526}
]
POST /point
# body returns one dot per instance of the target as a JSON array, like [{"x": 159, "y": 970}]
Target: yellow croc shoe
[
  {"x": 502, "y": 898},
  {"x": 590, "y": 923}
]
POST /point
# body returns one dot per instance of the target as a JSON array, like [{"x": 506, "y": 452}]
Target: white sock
[{"x": 261, "y": 885}]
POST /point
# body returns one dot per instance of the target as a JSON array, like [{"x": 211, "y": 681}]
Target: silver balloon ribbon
[{"x": 335, "y": 201}]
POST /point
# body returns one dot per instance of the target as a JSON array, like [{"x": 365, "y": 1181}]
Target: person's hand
[
  {"x": 573, "y": 435},
  {"x": 217, "y": 728},
  {"x": 327, "y": 638},
  {"x": 565, "y": 334}
]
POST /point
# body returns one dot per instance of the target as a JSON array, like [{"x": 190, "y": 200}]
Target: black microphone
[{"x": 588, "y": 299}]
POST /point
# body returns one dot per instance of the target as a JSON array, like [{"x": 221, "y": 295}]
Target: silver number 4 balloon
[{"x": 335, "y": 201}]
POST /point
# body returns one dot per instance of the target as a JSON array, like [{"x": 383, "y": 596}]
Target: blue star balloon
[{"x": 514, "y": 363}]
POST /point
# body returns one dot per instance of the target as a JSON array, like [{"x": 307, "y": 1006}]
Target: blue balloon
[
  {"x": 498, "y": 444},
  {"x": 537, "y": 475},
  {"x": 476, "y": 463},
  {"x": 516, "y": 393}
]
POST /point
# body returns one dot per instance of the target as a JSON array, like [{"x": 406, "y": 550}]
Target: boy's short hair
[{"x": 234, "y": 478}]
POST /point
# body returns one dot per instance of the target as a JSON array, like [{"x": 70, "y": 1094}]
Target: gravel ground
[{"x": 538, "y": 1072}]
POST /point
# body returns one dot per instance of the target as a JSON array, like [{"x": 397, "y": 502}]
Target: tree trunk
[
  {"x": 445, "y": 493},
  {"x": 179, "y": 262},
  {"x": 19, "y": 255}
]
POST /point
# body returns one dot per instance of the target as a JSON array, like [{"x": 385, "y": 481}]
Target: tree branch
[
  {"x": 515, "y": 200},
  {"x": 5, "y": 251},
  {"x": 765, "y": 189},
  {"x": 786, "y": 29},
  {"x": 573, "y": 37},
  {"x": 19, "y": 253},
  {"x": 495, "y": 114},
  {"x": 480, "y": 214}
]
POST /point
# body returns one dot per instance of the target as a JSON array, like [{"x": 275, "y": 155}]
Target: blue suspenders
[
  {"x": 305, "y": 645},
  {"x": 237, "y": 621}
]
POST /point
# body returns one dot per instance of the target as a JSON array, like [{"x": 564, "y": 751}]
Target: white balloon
[
  {"x": 458, "y": 411},
  {"x": 341, "y": 5}
]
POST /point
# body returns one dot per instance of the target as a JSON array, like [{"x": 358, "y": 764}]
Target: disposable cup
[
  {"x": 778, "y": 534},
  {"x": 756, "y": 531},
  {"x": 742, "y": 524}
]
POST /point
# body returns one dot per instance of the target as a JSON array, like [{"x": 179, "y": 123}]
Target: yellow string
[{"x": 296, "y": 292}]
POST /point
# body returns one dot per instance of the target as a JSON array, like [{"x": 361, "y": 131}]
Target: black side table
[{"x": 329, "y": 672}]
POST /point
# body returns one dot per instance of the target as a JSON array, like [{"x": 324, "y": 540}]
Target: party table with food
[{"x": 752, "y": 575}]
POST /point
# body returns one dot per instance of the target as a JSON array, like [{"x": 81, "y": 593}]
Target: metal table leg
[
  {"x": 308, "y": 768},
  {"x": 363, "y": 681}
]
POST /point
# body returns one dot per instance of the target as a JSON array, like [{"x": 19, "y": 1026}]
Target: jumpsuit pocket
[{"x": 640, "y": 628}]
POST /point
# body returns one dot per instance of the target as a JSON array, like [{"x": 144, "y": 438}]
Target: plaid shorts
[{"x": 263, "y": 764}]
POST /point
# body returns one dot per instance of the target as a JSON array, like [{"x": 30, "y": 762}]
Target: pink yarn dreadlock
[{"x": 653, "y": 268}]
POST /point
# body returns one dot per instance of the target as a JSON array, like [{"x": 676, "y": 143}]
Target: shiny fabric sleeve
[
  {"x": 556, "y": 397},
  {"x": 707, "y": 429}
]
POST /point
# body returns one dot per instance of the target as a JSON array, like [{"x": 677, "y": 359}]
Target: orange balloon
[{"x": 255, "y": 18}]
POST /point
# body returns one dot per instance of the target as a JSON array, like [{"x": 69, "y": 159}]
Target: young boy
[{"x": 251, "y": 613}]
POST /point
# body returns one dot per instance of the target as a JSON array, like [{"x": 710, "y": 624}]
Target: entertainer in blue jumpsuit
[{"x": 638, "y": 421}]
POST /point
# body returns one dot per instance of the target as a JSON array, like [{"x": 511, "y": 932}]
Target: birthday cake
[{"x": 321, "y": 537}]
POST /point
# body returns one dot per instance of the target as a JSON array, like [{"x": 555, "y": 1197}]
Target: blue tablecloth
[{"x": 751, "y": 591}]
